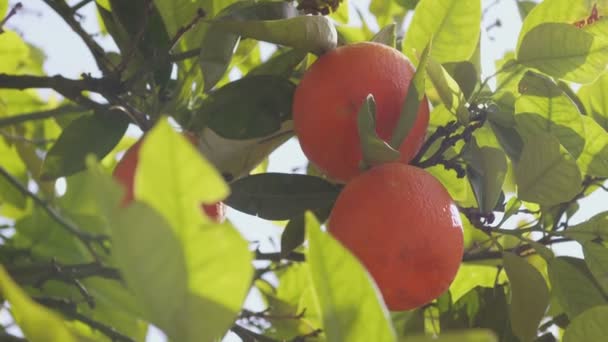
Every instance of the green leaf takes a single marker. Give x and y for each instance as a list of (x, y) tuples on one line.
[(447, 21), (37, 323), (465, 74), (218, 46), (468, 335), (375, 150), (12, 163), (236, 158), (310, 33), (281, 196), (281, 64), (543, 107), (486, 170), (252, 107), (529, 296), (448, 90), (347, 298), (387, 35), (3, 8), (546, 173), (573, 286), (92, 134), (594, 228), (596, 257), (555, 11), (588, 326), (564, 51), (293, 236), (173, 178), (525, 7), (386, 12), (593, 97), (415, 95), (594, 159)]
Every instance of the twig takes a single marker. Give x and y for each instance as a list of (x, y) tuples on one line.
[(86, 238), (293, 256), (67, 13), (70, 310), (250, 336), (10, 14), (40, 115), (184, 55), (200, 14), (40, 273), (80, 5)]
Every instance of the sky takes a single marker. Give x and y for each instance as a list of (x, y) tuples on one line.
[(68, 56)]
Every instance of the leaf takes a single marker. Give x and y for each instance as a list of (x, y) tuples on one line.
[(252, 107), (596, 257), (546, 174), (588, 326), (281, 196), (387, 35), (218, 46), (573, 286), (347, 298), (92, 134), (529, 296), (543, 107), (468, 335), (465, 74), (415, 95), (448, 90), (594, 228), (564, 51), (525, 7), (37, 323), (593, 97), (236, 158), (293, 236), (282, 64), (3, 8), (309, 33), (375, 150), (486, 171), (386, 12), (447, 21), (593, 161)]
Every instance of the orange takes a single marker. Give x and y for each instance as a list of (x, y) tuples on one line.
[(332, 90), (124, 172), (403, 226)]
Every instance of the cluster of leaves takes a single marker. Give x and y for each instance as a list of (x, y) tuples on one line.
[(77, 266)]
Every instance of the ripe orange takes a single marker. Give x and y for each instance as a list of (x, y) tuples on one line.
[(124, 172), (328, 98), (404, 227)]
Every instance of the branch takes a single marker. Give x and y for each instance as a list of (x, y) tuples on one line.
[(86, 238), (10, 14), (40, 115), (61, 84), (70, 310), (41, 273), (80, 5), (67, 13), (293, 256)]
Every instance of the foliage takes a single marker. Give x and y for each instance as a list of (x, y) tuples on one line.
[(529, 148)]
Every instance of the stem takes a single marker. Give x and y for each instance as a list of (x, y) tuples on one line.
[(185, 55), (86, 238), (80, 5), (10, 14), (200, 14), (293, 256), (40, 115)]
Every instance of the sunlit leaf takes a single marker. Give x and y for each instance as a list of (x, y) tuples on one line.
[(448, 90), (469, 335), (38, 323), (386, 12), (529, 296), (573, 286), (593, 161), (387, 35), (588, 326), (447, 21), (593, 97), (546, 173), (340, 281), (544, 108), (593, 228), (486, 170), (564, 51)]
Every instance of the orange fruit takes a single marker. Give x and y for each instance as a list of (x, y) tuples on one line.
[(332, 90), (124, 173), (403, 226)]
